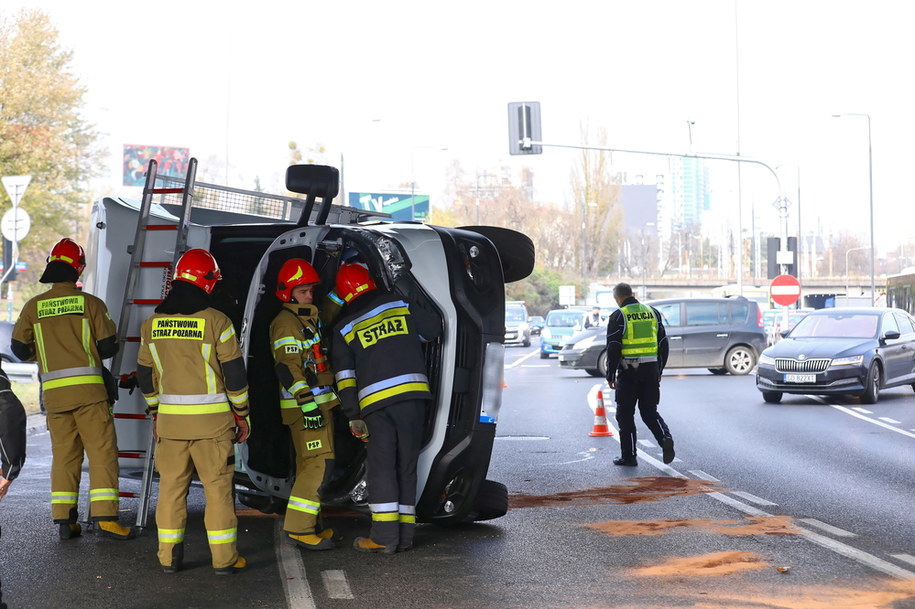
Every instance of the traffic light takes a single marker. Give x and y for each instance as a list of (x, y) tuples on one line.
[(524, 128), (8, 260), (772, 247)]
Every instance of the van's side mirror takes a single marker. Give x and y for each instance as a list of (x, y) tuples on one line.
[(891, 335)]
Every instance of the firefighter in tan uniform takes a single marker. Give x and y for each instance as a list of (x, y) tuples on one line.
[(306, 399), (69, 333), (192, 374)]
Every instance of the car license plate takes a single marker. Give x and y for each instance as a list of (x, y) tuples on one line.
[(800, 378)]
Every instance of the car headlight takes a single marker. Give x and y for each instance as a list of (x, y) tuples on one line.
[(766, 359), (586, 342), (854, 360)]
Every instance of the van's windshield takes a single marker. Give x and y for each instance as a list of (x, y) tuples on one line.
[(515, 314)]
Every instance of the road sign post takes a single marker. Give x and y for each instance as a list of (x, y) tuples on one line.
[(18, 221), (785, 290)]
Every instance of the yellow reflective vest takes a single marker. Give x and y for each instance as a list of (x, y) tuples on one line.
[(640, 332)]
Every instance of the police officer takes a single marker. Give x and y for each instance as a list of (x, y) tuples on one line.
[(69, 333), (381, 380), (637, 352), (593, 318), (306, 400), (12, 441), (192, 375)]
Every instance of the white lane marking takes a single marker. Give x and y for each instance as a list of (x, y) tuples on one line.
[(335, 583), (647, 443), (828, 527), (904, 558), (522, 359), (522, 437), (889, 420), (535, 366), (864, 418), (862, 410), (292, 572), (703, 476), (752, 498), (869, 560)]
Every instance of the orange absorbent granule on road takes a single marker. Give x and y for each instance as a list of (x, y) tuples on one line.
[(752, 525), (637, 490), (716, 563)]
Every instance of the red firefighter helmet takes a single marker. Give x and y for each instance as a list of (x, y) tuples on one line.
[(293, 273), (353, 281), (198, 267), (68, 251)]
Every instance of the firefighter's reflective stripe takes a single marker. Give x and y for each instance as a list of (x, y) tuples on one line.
[(87, 341), (407, 514), (324, 397), (65, 497), (222, 536), (405, 383), (67, 377), (285, 341), (171, 535), (208, 371), (229, 333), (335, 299), (385, 512), (345, 379), (640, 337), (155, 355), (303, 505), (151, 400), (39, 340), (239, 399), (207, 403), (103, 494)]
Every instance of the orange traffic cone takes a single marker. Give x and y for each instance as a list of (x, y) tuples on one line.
[(601, 429)]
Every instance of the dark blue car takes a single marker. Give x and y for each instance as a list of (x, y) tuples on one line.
[(841, 351)]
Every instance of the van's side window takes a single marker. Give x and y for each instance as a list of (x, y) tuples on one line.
[(705, 313), (739, 312), (671, 313)]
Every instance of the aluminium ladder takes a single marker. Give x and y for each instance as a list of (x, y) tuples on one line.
[(135, 310)]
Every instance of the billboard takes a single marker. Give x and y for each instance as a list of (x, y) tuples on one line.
[(402, 206), (172, 162)]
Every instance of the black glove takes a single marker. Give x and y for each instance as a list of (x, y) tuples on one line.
[(313, 418)]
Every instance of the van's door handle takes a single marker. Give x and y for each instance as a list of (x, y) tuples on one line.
[(674, 337), (721, 335)]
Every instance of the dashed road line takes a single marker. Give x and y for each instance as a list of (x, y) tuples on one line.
[(292, 572), (889, 420), (862, 410), (336, 585), (752, 498), (703, 475), (853, 412), (828, 527), (905, 558), (647, 443)]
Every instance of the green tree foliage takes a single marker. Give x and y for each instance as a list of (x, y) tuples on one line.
[(43, 134)]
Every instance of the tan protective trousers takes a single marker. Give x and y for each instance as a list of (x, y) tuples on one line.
[(176, 461), (314, 453), (88, 429)]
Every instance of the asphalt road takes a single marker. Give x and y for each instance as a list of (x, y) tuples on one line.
[(798, 505)]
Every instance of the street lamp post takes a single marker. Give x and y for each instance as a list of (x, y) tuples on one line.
[(847, 252), (870, 179)]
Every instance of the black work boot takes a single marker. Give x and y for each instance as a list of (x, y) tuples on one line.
[(69, 528), (177, 559), (667, 446), (629, 461)]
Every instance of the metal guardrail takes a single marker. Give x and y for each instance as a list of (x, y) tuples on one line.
[(25, 372)]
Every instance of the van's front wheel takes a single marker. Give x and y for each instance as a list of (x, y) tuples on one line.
[(491, 501), (740, 360)]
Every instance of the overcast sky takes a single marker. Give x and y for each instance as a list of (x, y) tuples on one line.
[(386, 85)]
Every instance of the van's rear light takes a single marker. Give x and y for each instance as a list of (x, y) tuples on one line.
[(759, 319)]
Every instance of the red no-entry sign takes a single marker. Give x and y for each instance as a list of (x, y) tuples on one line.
[(785, 290)]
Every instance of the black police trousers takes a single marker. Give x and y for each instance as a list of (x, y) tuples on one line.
[(638, 386)]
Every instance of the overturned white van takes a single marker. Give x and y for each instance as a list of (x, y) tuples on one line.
[(458, 273)]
